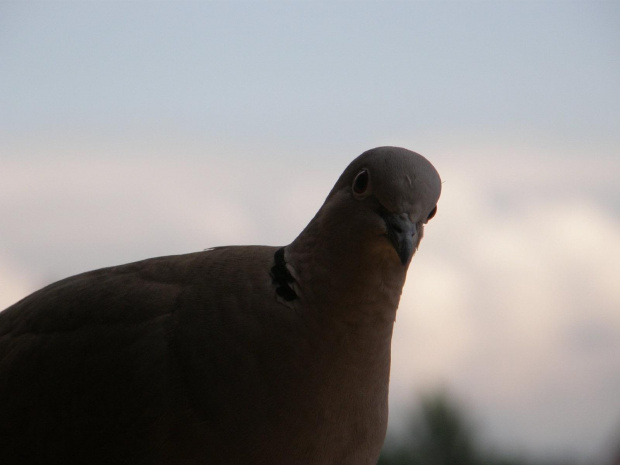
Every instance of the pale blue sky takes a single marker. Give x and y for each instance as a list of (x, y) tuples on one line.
[(315, 71), (136, 129)]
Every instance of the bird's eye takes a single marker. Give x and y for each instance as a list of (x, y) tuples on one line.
[(360, 183), (431, 214)]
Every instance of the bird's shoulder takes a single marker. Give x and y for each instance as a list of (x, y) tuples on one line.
[(140, 291)]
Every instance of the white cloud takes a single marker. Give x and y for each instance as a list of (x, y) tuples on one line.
[(517, 310), (14, 285)]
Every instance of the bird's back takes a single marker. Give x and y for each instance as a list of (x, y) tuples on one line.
[(93, 368)]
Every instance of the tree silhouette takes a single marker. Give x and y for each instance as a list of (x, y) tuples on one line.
[(440, 433)]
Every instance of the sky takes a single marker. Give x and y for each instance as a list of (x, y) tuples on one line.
[(138, 129)]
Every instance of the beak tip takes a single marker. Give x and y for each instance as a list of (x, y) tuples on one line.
[(400, 232), (405, 252)]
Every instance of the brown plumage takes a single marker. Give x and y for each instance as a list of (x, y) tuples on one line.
[(236, 355)]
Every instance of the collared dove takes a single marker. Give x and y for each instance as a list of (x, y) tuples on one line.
[(235, 355)]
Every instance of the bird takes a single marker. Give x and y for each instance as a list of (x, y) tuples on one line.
[(253, 355)]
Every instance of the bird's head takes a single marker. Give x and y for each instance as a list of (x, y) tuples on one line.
[(382, 201)]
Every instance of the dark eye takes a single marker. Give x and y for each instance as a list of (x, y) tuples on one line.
[(432, 213), (360, 184)]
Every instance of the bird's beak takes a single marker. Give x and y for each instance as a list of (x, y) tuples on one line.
[(400, 232)]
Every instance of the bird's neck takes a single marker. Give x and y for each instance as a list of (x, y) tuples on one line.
[(342, 279)]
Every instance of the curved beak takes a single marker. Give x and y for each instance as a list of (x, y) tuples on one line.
[(400, 232)]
